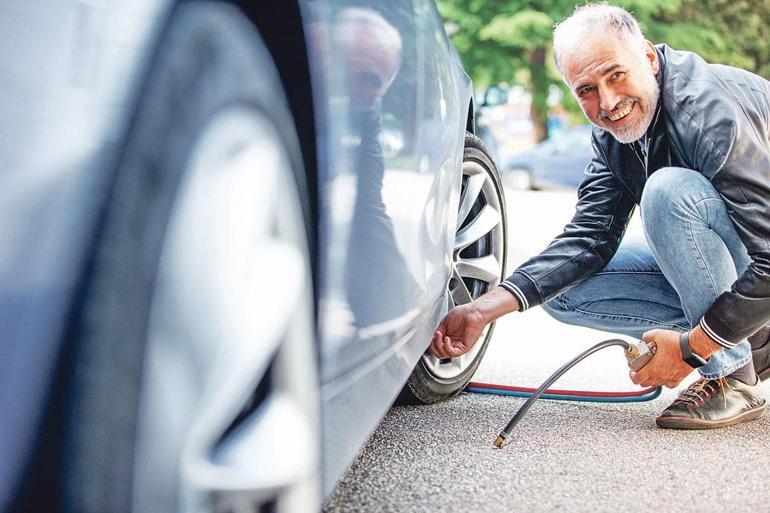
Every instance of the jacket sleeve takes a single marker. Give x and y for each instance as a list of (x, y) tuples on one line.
[(732, 149), (587, 243)]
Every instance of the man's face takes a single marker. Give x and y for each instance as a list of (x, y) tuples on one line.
[(371, 69), (614, 82)]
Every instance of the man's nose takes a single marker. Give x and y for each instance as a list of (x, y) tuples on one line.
[(607, 99)]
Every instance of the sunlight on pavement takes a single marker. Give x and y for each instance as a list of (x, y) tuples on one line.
[(528, 347)]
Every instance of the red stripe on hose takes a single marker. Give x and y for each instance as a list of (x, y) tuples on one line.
[(584, 393)]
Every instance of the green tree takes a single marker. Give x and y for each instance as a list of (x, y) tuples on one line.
[(510, 40), (733, 32)]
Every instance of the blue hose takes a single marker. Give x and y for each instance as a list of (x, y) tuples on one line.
[(563, 397)]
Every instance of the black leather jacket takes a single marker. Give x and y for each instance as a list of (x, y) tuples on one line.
[(715, 119)]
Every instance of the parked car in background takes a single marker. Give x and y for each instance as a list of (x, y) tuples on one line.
[(229, 230), (493, 96), (557, 162)]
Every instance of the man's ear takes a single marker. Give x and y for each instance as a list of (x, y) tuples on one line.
[(652, 56)]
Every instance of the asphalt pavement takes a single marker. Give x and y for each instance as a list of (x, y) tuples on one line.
[(563, 456)]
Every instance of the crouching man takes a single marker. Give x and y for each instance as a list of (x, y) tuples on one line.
[(687, 141)]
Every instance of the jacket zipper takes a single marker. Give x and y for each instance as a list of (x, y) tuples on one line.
[(635, 144)]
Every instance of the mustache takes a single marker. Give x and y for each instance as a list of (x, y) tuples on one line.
[(603, 114)]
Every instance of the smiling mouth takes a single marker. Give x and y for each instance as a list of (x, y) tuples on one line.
[(621, 113)]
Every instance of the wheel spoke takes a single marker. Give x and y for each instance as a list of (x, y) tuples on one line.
[(484, 223), (486, 268), (460, 362), (451, 302), (469, 197), (460, 293)]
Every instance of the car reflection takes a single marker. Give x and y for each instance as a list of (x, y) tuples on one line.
[(377, 285)]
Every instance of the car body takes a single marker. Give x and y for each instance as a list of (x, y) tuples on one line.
[(229, 232), (557, 162)]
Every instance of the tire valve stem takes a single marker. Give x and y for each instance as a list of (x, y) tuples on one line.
[(637, 356)]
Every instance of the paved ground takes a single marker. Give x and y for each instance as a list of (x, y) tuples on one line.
[(563, 456)]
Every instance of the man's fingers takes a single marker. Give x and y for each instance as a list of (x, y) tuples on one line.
[(646, 380), (642, 378), (449, 349), (672, 381), (453, 348), (443, 347), (435, 344), (440, 346), (639, 376), (649, 335)]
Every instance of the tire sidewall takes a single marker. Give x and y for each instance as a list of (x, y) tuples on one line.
[(208, 59)]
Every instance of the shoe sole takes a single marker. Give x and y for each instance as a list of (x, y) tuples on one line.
[(690, 423)]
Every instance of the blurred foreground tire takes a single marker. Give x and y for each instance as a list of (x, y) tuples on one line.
[(193, 385)]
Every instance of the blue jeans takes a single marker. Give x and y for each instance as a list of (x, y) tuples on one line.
[(691, 255)]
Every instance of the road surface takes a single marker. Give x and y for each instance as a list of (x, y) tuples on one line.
[(563, 456)]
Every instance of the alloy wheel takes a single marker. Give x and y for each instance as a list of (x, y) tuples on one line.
[(477, 256)]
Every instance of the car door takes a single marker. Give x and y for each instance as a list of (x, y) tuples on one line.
[(387, 164), (364, 59)]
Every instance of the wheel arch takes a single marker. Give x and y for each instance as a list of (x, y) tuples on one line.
[(470, 123), (279, 23)]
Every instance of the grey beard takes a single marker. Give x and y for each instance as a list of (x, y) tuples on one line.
[(635, 131)]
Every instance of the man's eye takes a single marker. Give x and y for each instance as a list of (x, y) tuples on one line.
[(617, 75), (585, 90)]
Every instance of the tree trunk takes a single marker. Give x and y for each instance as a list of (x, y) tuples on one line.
[(538, 109)]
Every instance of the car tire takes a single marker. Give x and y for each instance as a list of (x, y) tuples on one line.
[(478, 265), (165, 306)]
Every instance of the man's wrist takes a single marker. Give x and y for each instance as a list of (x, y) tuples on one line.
[(701, 344), (496, 303)]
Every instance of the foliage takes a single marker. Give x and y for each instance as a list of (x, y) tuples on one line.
[(733, 32)]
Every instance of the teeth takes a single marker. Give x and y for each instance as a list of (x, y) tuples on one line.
[(623, 113)]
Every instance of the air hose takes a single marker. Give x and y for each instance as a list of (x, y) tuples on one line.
[(586, 396), (637, 355)]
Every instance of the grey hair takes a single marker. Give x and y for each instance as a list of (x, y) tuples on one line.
[(594, 17), (371, 23)]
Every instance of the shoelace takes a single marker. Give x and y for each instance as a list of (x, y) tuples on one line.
[(703, 390)]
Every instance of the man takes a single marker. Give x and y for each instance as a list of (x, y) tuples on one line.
[(687, 141)]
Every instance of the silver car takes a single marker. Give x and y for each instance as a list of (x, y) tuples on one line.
[(228, 232)]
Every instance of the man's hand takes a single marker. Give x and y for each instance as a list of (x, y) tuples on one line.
[(461, 327), (457, 332), (666, 367)]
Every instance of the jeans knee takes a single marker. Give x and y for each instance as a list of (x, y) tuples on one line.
[(670, 192), (662, 188)]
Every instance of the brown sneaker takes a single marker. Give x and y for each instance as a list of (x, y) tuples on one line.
[(713, 403)]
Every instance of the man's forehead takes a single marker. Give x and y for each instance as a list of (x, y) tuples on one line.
[(596, 56)]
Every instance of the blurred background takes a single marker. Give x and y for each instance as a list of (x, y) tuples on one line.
[(526, 112)]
